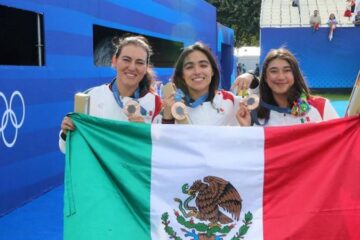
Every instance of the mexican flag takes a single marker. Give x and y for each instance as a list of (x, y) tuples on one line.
[(139, 181)]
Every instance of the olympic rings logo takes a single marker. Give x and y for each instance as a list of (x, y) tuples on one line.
[(9, 114)]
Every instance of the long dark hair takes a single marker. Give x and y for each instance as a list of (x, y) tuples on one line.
[(296, 89), (119, 43), (178, 74)]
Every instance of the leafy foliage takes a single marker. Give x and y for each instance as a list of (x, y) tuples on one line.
[(243, 16), (204, 229)]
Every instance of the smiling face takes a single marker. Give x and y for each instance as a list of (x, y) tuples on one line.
[(281, 81), (279, 77), (197, 73), (131, 66)]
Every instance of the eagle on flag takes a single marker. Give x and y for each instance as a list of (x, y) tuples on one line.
[(212, 195)]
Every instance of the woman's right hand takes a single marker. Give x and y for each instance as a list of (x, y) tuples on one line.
[(168, 101), (67, 125), (243, 115)]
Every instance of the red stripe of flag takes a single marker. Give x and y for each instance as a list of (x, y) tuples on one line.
[(312, 181)]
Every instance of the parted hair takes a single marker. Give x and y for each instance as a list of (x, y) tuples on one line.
[(178, 74), (120, 42), (296, 89)]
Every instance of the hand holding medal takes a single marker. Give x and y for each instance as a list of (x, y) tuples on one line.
[(178, 109), (173, 97), (252, 101), (247, 104)]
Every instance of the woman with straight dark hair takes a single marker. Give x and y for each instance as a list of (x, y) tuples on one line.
[(197, 76), (285, 96)]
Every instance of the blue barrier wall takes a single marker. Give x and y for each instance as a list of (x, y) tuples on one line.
[(325, 64), (43, 95), (225, 54)]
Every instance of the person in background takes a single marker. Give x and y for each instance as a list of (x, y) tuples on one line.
[(197, 76), (353, 5), (239, 69), (332, 22), (285, 99), (348, 12), (357, 19), (315, 20), (257, 70), (133, 81), (243, 67)]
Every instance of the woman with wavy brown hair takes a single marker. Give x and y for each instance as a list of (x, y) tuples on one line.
[(129, 96)]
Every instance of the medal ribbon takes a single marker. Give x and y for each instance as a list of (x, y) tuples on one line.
[(117, 97), (270, 107), (275, 108), (197, 102)]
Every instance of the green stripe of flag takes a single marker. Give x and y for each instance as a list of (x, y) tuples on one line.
[(114, 172)]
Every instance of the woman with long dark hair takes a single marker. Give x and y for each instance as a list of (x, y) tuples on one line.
[(285, 96), (197, 76)]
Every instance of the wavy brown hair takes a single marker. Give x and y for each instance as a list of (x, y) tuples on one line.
[(148, 80), (296, 89)]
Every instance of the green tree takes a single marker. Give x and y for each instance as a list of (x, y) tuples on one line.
[(243, 16)]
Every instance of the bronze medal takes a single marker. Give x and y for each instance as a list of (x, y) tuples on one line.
[(132, 107), (252, 101), (179, 110)]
